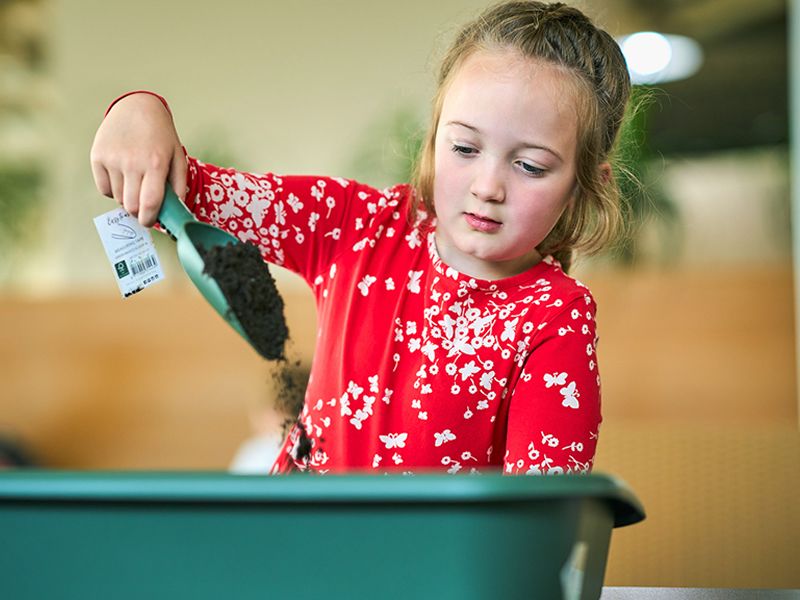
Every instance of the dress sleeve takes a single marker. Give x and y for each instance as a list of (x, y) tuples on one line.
[(554, 411), (299, 222)]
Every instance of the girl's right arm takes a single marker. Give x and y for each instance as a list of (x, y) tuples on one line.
[(135, 151), (302, 223)]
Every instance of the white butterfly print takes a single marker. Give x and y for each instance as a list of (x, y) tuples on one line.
[(354, 389), (413, 281), (294, 202), (344, 403), (509, 331), (280, 213), (480, 323), (487, 379), (229, 209), (555, 379), (257, 209), (394, 440), (460, 344), (468, 370), (429, 350), (447, 324), (571, 396), (341, 181), (444, 437), (364, 284)]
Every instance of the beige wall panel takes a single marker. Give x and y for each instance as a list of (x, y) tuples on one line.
[(721, 504)]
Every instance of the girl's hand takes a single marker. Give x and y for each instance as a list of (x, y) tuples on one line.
[(136, 150)]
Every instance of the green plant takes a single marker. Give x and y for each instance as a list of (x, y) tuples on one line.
[(638, 172), (20, 198), (388, 151)]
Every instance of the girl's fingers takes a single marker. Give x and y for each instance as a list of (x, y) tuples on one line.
[(101, 179), (151, 197), (130, 193), (177, 173), (117, 185)]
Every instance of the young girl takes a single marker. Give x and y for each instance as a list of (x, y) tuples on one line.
[(451, 338)]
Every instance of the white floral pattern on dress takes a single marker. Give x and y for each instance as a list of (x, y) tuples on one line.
[(417, 366)]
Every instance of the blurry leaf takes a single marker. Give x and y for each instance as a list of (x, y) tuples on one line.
[(638, 170), (388, 150), (20, 199)]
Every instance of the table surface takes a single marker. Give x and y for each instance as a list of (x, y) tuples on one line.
[(660, 593)]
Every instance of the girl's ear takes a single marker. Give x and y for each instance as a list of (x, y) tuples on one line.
[(605, 172)]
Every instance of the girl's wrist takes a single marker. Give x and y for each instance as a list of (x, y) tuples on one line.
[(125, 95)]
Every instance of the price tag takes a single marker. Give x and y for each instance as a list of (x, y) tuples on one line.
[(130, 249)]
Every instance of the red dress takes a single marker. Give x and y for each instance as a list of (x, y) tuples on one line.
[(418, 367)]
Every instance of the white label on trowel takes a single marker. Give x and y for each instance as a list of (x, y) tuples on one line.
[(130, 249)]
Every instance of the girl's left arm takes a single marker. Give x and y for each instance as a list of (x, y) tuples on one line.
[(554, 411)]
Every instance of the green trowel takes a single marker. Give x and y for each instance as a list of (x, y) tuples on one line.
[(190, 234)]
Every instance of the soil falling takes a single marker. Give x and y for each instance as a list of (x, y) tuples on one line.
[(290, 382), (248, 286)]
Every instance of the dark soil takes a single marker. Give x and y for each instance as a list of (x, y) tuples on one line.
[(250, 290), (290, 381), (303, 443), (244, 278)]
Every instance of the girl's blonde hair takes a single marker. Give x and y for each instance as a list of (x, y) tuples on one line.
[(562, 36)]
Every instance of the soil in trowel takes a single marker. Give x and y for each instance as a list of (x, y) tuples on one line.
[(248, 286)]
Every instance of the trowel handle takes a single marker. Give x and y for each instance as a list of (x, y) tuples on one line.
[(174, 214)]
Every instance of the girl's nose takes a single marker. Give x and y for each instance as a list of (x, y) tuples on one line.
[(488, 183)]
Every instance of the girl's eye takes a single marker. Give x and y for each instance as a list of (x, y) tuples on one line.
[(463, 150), (530, 169)]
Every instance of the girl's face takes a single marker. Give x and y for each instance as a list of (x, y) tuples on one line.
[(504, 162)]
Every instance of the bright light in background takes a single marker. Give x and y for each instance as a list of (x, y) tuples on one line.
[(647, 52), (658, 58)]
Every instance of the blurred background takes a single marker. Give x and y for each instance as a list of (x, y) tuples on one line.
[(696, 317)]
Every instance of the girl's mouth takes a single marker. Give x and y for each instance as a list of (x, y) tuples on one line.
[(482, 224)]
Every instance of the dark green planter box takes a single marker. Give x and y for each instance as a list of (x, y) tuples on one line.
[(84, 535)]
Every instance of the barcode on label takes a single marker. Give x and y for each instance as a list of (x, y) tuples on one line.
[(143, 264)]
